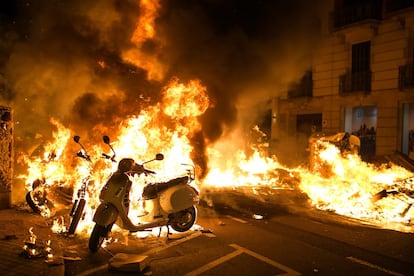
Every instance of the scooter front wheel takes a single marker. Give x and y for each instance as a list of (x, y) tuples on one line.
[(98, 235), (77, 214), (183, 220)]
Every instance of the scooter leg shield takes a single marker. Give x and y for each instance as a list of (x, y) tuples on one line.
[(105, 215)]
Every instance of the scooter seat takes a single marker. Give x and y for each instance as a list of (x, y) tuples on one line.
[(151, 190)]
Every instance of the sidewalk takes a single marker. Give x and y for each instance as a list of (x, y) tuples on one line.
[(14, 232)]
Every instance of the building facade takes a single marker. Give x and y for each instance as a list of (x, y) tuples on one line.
[(6, 156), (361, 80)]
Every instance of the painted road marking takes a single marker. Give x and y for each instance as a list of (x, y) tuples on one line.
[(237, 219), (239, 250), (171, 244), (356, 260), (148, 252)]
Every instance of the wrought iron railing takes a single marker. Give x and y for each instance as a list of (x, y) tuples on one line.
[(358, 12), (396, 5), (355, 82)]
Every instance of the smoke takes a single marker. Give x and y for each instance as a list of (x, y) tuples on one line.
[(65, 62), (66, 59), (244, 51)]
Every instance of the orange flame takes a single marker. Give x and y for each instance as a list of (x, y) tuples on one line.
[(145, 27), (337, 182), (140, 137), (145, 31)]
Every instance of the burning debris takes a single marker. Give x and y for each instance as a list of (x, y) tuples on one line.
[(125, 89), (36, 248), (338, 180)]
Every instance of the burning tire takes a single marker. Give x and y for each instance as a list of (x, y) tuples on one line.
[(76, 214), (98, 235), (183, 220), (38, 202), (30, 201)]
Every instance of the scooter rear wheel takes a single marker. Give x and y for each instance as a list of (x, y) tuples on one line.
[(80, 206), (98, 235), (183, 220)]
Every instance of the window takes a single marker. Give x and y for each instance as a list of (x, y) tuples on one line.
[(361, 57), (359, 79)]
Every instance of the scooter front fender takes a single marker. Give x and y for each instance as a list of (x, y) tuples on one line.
[(106, 214)]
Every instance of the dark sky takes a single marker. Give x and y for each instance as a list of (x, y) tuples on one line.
[(243, 51)]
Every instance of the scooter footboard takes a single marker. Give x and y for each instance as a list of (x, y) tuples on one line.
[(106, 214)]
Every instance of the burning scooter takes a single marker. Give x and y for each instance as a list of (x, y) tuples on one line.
[(170, 203), (45, 192)]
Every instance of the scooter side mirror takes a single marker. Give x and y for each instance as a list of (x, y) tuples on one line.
[(106, 139), (76, 138), (159, 156)]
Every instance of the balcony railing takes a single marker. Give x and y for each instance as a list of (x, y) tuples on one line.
[(396, 5), (355, 82), (359, 12), (303, 88), (406, 76)]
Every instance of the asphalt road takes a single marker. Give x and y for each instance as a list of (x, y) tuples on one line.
[(230, 241)]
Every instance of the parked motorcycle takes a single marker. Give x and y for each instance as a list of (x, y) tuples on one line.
[(170, 203), (76, 213)]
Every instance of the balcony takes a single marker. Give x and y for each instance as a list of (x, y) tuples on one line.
[(355, 82), (406, 76), (346, 15), (303, 88), (396, 5)]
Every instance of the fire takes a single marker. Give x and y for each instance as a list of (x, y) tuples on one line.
[(145, 32), (352, 188), (192, 96), (337, 182), (35, 248), (59, 225), (140, 137), (145, 27), (47, 167)]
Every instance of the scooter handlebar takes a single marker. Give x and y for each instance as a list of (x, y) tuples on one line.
[(137, 168), (149, 172), (107, 156), (83, 155)]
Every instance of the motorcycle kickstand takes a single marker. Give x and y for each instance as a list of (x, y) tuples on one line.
[(168, 231)]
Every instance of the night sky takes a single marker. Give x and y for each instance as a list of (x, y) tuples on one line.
[(244, 52)]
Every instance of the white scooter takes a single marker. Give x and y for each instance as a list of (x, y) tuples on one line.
[(170, 203)]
